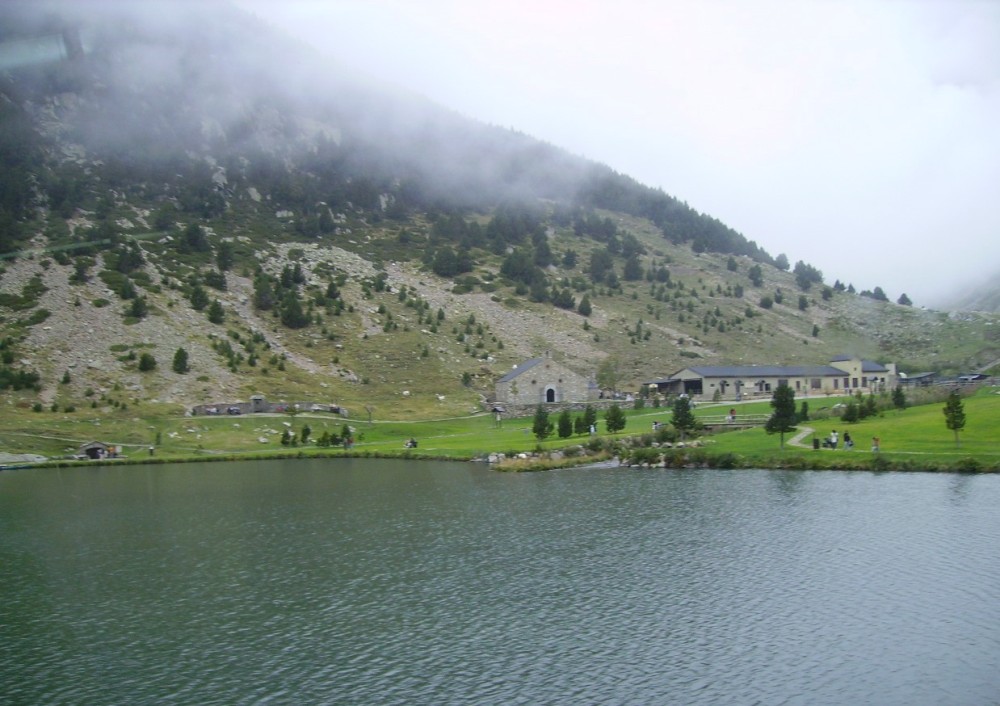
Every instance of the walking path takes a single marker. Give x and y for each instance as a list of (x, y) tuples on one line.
[(803, 433)]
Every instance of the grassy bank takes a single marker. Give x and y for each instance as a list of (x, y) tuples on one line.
[(914, 438)]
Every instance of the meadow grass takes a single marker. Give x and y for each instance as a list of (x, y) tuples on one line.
[(914, 438)]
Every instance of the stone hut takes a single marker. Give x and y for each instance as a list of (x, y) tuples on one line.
[(96, 450), (541, 381)]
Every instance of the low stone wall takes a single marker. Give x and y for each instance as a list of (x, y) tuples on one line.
[(555, 408), (265, 407)]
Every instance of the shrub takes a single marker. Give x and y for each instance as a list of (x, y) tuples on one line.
[(595, 444), (726, 461), (37, 317), (969, 465), (645, 456)]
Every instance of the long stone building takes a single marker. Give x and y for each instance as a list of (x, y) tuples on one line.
[(843, 375)]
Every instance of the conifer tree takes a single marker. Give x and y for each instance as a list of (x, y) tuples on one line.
[(682, 418), (899, 398), (180, 364), (782, 420), (565, 425), (216, 314), (541, 427), (614, 419), (954, 414)]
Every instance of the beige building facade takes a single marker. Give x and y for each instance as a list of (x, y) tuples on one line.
[(843, 375)]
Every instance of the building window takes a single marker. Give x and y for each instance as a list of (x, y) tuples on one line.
[(815, 383)]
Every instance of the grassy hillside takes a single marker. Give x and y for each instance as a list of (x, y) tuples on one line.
[(308, 239), (407, 342)]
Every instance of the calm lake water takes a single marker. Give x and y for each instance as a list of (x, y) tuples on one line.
[(386, 582)]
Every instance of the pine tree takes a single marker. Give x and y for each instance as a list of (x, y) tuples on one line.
[(565, 425), (292, 314), (899, 398), (199, 297), (682, 418), (782, 420), (541, 426), (216, 314), (263, 292), (225, 257), (138, 308), (614, 419), (180, 364), (871, 409), (954, 414)]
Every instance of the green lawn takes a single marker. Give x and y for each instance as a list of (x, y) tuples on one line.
[(912, 438)]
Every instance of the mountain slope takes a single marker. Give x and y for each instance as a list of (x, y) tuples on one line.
[(175, 187), (983, 296)]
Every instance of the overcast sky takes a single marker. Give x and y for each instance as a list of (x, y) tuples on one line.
[(861, 137)]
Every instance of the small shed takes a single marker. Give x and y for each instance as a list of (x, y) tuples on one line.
[(97, 450)]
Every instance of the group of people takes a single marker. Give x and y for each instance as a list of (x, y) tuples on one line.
[(831, 441)]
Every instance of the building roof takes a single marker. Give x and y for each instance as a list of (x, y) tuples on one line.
[(774, 371), (522, 368), (95, 445), (867, 366), (759, 371)]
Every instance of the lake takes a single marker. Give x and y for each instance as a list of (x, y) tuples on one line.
[(392, 582)]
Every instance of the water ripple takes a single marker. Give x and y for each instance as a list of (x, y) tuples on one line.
[(400, 584)]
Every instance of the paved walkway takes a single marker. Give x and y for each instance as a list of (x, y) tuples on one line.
[(803, 433)]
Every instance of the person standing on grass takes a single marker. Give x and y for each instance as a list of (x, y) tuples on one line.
[(876, 444)]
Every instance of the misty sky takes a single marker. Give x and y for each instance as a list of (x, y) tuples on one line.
[(861, 137)]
